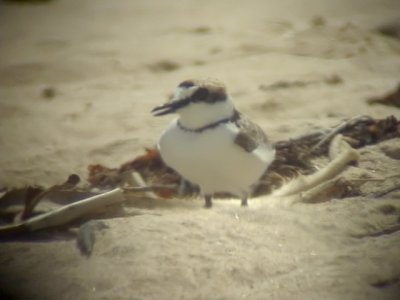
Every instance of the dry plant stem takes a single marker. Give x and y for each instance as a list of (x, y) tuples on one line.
[(386, 191), (66, 213), (336, 131), (28, 209), (71, 182), (315, 195), (181, 187), (139, 181), (304, 183), (151, 188)]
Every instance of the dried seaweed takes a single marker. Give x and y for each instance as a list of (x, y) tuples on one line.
[(149, 165), (293, 157), (150, 177)]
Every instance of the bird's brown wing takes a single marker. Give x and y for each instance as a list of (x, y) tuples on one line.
[(250, 135)]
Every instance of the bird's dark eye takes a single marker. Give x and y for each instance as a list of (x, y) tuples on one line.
[(200, 94), (186, 84)]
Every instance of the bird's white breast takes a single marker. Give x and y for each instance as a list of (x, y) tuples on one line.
[(212, 160)]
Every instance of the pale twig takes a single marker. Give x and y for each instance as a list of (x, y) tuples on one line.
[(138, 181), (66, 214), (387, 191), (181, 187), (304, 183), (322, 192), (337, 130), (141, 189)]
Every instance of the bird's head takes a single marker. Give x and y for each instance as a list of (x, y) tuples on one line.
[(198, 103)]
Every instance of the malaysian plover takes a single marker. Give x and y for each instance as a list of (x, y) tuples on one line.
[(211, 144)]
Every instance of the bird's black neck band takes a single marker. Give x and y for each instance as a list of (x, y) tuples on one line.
[(235, 116)]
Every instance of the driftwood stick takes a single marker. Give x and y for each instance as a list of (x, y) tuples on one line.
[(322, 192), (79, 209), (303, 183), (66, 214)]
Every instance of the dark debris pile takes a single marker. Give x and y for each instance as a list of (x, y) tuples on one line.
[(293, 157)]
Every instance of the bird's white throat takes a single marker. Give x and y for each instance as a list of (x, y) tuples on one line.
[(199, 114)]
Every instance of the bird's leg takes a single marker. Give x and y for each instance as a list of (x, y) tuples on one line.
[(208, 201), (244, 199)]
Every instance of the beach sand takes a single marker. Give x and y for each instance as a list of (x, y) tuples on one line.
[(77, 82)]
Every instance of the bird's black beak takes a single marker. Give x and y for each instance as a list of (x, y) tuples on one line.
[(169, 108)]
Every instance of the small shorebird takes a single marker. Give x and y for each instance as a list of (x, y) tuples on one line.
[(212, 144)]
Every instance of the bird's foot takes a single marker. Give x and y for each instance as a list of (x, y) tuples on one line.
[(208, 201)]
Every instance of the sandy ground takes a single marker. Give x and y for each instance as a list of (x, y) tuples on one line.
[(108, 63)]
